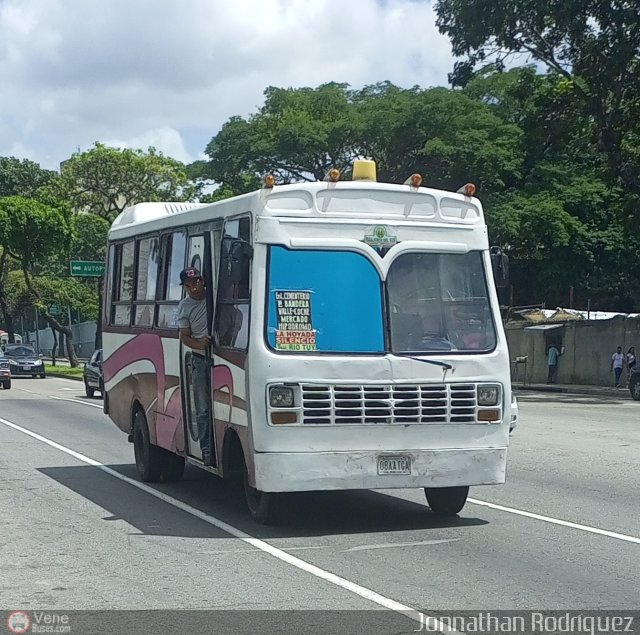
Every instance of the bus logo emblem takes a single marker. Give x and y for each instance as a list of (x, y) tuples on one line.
[(380, 237)]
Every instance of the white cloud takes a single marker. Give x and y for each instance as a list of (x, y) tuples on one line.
[(169, 74)]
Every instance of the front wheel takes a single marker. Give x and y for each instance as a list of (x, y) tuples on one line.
[(88, 390), (264, 507), (6, 384), (634, 386), (446, 501)]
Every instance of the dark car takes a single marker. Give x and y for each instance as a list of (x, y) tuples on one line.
[(92, 375), (5, 372), (24, 361)]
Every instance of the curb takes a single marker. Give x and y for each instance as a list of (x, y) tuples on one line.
[(603, 392)]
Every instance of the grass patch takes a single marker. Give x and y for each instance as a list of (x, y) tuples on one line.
[(64, 371)]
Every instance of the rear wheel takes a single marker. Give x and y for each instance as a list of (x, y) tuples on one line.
[(88, 390), (264, 507), (150, 459), (6, 384), (634, 386), (446, 501)]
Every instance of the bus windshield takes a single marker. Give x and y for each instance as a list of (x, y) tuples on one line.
[(334, 302), (439, 302)]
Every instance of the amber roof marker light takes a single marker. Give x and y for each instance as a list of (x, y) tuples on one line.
[(269, 181), (333, 175), (364, 170), (415, 180), (468, 190)]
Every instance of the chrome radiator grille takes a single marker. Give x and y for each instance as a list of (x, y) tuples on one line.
[(394, 404)]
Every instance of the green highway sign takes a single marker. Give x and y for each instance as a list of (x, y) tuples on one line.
[(86, 268), (55, 309)]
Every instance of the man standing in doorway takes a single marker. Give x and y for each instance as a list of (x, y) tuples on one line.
[(552, 362), (192, 322), (617, 364)]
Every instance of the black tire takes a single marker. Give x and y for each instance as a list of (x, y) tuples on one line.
[(173, 467), (42, 375), (34, 376), (446, 501), (102, 387), (6, 384), (150, 459), (264, 507), (88, 390), (634, 386)]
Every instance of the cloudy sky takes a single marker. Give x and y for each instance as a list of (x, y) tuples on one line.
[(135, 73)]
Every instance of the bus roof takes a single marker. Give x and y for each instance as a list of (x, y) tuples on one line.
[(346, 199)]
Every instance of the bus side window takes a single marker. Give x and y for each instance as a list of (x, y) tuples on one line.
[(232, 310), (174, 248), (123, 287)]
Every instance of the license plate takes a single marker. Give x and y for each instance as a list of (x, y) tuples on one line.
[(394, 465), (26, 368)]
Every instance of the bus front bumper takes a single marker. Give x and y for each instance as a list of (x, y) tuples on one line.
[(309, 471)]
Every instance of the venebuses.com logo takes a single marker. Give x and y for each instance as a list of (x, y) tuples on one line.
[(18, 622)]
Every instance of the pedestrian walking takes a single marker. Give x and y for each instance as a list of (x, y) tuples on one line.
[(617, 364), (552, 362)]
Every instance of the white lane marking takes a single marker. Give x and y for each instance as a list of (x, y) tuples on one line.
[(426, 621), (392, 545), (84, 403), (219, 551), (557, 521)]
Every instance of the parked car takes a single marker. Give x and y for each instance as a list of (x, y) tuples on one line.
[(93, 376), (5, 372), (24, 361)]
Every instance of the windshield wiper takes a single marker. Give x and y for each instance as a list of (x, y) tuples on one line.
[(435, 362)]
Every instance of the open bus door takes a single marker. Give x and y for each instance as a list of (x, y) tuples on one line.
[(202, 254)]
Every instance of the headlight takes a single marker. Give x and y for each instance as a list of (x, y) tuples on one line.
[(488, 395), (281, 397), (13, 362), (38, 362)]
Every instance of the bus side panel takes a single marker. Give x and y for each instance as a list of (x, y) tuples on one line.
[(144, 369), (230, 403)]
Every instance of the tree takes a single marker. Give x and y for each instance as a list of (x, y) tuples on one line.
[(443, 134), (17, 178), (22, 177), (104, 181), (299, 134), (593, 45), (31, 233)]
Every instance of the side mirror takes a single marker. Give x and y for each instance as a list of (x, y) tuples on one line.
[(500, 266)]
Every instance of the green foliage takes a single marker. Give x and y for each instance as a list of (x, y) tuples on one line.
[(31, 231), (64, 371), (104, 181), (299, 134), (22, 177), (593, 46)]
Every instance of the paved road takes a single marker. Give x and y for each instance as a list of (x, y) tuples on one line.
[(563, 532)]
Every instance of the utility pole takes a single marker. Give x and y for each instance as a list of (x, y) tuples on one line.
[(35, 311)]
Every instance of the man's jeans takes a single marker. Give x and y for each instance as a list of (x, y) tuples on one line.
[(201, 377)]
